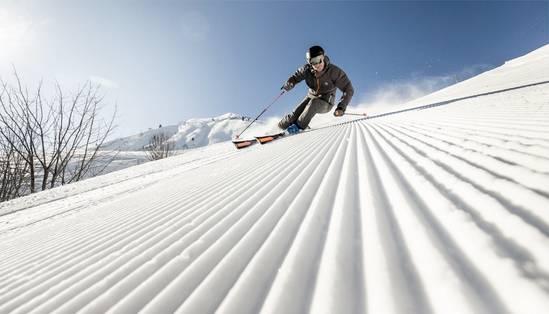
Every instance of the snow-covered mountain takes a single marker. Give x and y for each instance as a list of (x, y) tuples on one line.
[(443, 209), (191, 133)]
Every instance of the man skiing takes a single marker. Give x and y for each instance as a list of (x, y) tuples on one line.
[(322, 78)]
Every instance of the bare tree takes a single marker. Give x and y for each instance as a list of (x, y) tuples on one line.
[(13, 172), (159, 147), (15, 129), (59, 138)]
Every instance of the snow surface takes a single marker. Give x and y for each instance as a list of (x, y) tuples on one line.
[(439, 210)]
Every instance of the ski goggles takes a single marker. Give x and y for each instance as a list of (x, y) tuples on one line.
[(316, 60)]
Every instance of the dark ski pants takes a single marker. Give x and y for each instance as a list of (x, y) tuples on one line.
[(304, 112)]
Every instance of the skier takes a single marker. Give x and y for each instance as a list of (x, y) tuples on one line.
[(322, 78)]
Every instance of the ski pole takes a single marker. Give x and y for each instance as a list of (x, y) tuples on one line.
[(262, 112), (356, 114)]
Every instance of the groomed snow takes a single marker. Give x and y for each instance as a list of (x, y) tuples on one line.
[(440, 210)]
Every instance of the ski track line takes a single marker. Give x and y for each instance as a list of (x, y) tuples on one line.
[(490, 184), (508, 243), (484, 120), (502, 198), (474, 140), (79, 235), (437, 258), (207, 296), (88, 261), (505, 244), (70, 236), (498, 112), (95, 205), (523, 123), (139, 241), (148, 180), (519, 174), (505, 105), (103, 185), (139, 301), (405, 283), (217, 242), (291, 293), (380, 293), (517, 116), (535, 273), (526, 125), (251, 288), (339, 286), (159, 260), (486, 132), (532, 134), (500, 130), (491, 149), (495, 114), (158, 276), (494, 166)]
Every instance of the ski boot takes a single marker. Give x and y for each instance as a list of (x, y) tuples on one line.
[(293, 129)]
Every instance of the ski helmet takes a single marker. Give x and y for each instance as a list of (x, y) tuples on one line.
[(314, 51)]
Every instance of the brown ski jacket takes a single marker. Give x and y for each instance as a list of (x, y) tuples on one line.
[(323, 85)]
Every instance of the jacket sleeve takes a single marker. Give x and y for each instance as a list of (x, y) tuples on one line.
[(344, 84), (298, 76)]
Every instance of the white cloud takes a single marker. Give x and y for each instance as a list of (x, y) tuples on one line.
[(20, 34), (195, 26), (400, 92), (104, 82), (15, 33)]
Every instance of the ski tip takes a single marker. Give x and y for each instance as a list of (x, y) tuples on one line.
[(243, 143), (238, 143), (268, 138)]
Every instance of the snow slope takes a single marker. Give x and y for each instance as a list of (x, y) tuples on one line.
[(440, 210)]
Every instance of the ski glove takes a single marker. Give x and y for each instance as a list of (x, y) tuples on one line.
[(339, 112), (287, 86)]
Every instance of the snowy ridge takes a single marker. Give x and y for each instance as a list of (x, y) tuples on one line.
[(440, 210), (191, 133)]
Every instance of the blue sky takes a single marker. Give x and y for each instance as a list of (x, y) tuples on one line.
[(167, 61)]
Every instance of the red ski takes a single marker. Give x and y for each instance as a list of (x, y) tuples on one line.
[(238, 143), (243, 143), (269, 138)]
